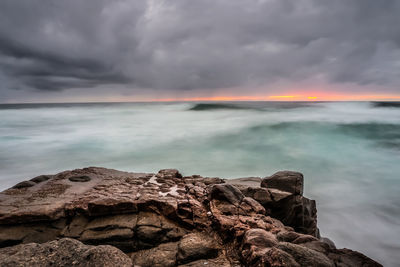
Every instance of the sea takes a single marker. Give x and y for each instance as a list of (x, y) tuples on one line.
[(349, 152)]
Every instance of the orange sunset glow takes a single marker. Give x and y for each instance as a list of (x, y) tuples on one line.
[(298, 97)]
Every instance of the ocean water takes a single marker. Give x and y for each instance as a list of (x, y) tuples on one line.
[(349, 152)]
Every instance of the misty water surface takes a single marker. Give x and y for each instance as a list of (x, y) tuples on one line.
[(349, 152)]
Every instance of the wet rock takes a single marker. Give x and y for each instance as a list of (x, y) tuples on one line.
[(277, 195), (298, 212), (287, 181), (63, 252)]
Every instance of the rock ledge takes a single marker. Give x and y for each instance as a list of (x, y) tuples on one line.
[(102, 217)]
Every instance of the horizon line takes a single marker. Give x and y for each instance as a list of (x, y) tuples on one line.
[(288, 97), (187, 101)]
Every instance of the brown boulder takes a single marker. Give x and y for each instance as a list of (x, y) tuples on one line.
[(259, 238), (196, 246), (305, 256)]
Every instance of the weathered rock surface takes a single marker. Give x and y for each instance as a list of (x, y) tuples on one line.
[(63, 252), (163, 219)]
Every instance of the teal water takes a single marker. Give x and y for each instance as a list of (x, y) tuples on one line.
[(349, 152)]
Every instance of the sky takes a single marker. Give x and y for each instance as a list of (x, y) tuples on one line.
[(79, 51)]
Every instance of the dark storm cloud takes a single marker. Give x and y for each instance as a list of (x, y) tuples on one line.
[(180, 44)]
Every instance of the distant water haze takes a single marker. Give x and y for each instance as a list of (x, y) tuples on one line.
[(349, 152)]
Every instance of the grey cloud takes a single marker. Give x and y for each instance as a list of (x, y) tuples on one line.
[(208, 44)]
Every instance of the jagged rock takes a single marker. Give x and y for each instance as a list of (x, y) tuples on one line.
[(63, 252), (285, 189), (165, 219)]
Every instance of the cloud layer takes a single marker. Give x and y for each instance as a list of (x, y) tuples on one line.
[(182, 45)]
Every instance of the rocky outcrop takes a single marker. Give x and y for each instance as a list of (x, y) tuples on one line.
[(164, 219), (289, 205)]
